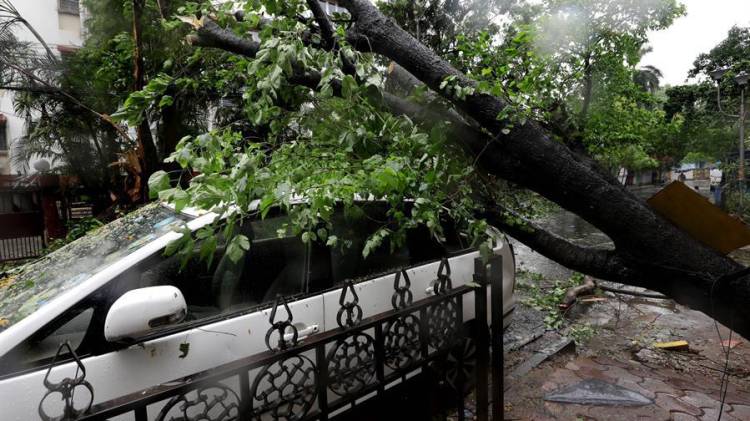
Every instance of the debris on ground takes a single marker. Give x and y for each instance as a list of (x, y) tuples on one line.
[(618, 349), (598, 392), (572, 294), (730, 343), (539, 357), (592, 299), (673, 345)]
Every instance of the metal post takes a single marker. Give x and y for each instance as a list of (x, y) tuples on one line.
[(496, 280), (322, 363), (246, 403), (741, 168), (459, 346), (483, 340)]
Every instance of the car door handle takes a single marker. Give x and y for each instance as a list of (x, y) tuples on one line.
[(303, 331)]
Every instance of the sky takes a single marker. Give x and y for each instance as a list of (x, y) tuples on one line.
[(705, 25)]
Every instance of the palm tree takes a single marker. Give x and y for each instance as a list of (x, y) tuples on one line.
[(647, 77)]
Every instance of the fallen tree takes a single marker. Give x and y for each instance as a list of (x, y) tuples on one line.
[(649, 251)]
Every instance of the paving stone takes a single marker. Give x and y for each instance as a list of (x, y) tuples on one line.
[(656, 385), (712, 414), (689, 384), (650, 372), (570, 412), (611, 362), (549, 386), (650, 412), (540, 417), (737, 396), (591, 364), (635, 387), (564, 377), (701, 400), (672, 404), (741, 412), (572, 366), (586, 372), (618, 374), (681, 416)]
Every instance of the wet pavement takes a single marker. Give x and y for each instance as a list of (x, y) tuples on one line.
[(618, 352)]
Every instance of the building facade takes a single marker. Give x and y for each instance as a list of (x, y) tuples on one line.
[(60, 23)]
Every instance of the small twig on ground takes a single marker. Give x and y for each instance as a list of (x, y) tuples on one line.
[(634, 293), (570, 296)]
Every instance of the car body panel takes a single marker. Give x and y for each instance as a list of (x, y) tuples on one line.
[(228, 338)]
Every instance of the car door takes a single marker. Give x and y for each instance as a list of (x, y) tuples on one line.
[(422, 257), (229, 305)]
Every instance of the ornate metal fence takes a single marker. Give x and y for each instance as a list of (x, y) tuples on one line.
[(318, 377)]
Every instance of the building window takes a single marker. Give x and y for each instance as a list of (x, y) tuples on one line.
[(68, 6)]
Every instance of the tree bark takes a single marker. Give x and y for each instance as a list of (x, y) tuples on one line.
[(145, 141)]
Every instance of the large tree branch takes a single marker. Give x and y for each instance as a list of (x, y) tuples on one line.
[(673, 262), (597, 262), (650, 251), (209, 34)]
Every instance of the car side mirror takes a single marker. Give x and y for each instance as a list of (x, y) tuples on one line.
[(140, 311)]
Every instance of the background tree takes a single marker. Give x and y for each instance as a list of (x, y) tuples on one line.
[(91, 145)]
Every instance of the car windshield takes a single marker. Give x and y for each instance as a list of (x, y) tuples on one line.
[(26, 289)]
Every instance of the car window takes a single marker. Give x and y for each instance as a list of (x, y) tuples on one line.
[(73, 331), (74, 326), (27, 289), (273, 265)]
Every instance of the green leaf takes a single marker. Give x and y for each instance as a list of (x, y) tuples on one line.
[(208, 248), (180, 198), (166, 101), (348, 86), (237, 248), (157, 182)]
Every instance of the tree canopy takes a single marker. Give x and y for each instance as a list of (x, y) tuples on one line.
[(440, 117)]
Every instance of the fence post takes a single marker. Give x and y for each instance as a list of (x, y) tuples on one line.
[(483, 345), (496, 281)]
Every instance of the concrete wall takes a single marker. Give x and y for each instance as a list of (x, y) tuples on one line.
[(57, 29)]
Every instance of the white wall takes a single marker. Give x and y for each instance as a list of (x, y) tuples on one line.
[(57, 29)]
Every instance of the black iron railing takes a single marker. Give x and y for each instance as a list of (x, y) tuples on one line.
[(311, 379)]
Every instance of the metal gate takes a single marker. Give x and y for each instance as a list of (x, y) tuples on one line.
[(323, 375), (21, 235)]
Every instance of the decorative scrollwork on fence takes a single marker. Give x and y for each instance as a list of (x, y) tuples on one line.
[(210, 403), (402, 295), (285, 390), (351, 309), (401, 343), (443, 283), (67, 388), (281, 327), (443, 327), (351, 364)]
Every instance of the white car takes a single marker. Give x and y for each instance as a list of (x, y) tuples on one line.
[(136, 320)]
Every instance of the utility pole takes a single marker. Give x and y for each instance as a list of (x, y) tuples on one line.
[(741, 167), (740, 79)]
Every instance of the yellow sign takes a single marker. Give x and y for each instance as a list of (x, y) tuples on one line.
[(695, 215)]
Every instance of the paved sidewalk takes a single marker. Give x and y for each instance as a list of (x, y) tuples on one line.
[(681, 385)]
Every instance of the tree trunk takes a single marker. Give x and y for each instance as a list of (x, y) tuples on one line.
[(588, 87), (145, 142), (650, 251)]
